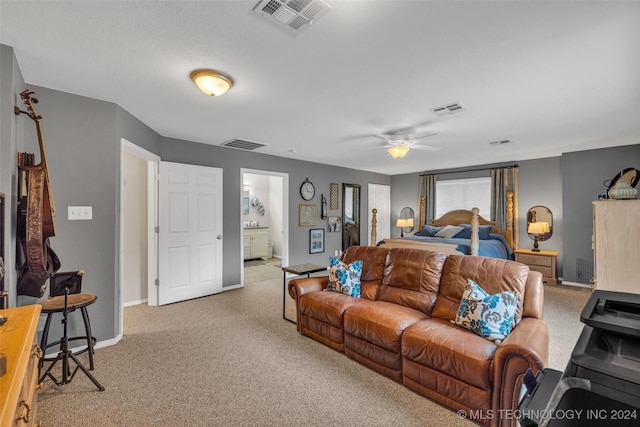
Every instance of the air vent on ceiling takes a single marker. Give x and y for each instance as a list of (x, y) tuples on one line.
[(502, 141), (448, 109), (294, 15), (242, 144)]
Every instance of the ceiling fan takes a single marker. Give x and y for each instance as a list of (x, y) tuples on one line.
[(399, 144)]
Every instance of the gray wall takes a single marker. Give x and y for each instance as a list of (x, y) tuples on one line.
[(231, 161)]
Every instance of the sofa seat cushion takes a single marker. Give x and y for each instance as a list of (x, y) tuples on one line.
[(445, 347), (327, 307), (380, 323)]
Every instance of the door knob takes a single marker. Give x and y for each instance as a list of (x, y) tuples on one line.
[(219, 237)]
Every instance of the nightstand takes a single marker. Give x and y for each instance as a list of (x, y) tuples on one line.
[(542, 261)]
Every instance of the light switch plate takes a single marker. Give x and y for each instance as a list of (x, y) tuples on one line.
[(75, 213)]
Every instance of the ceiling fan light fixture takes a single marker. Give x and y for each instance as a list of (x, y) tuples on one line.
[(211, 82), (398, 151)]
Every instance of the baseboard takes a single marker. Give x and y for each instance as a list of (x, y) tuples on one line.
[(135, 302), (577, 285)]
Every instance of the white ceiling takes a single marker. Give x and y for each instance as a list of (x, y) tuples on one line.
[(552, 77)]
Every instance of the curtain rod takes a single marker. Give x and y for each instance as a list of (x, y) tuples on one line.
[(470, 170)]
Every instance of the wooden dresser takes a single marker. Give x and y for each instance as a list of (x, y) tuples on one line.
[(616, 245), (19, 385)]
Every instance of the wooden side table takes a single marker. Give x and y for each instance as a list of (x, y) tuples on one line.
[(542, 261), (298, 270)]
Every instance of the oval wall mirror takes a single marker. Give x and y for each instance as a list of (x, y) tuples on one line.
[(539, 224), (406, 222)]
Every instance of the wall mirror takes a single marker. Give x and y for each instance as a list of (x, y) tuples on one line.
[(406, 221), (350, 215), (539, 224)]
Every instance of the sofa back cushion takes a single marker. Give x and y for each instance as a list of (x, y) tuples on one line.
[(492, 274), (411, 278), (373, 259)]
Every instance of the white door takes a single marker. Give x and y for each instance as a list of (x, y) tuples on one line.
[(190, 261), (379, 198)]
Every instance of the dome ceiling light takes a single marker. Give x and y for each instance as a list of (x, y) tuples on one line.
[(211, 82)]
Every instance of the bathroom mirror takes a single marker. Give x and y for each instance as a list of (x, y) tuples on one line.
[(350, 215), (539, 224)]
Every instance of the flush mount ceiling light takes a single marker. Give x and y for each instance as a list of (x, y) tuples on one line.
[(398, 151), (211, 82)]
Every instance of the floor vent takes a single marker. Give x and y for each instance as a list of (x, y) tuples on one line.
[(448, 109), (584, 270), (242, 144), (294, 15), (502, 141)]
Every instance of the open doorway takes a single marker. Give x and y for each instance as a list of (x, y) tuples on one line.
[(138, 221), (264, 222)]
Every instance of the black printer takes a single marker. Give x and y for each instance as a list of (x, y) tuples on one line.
[(601, 384)]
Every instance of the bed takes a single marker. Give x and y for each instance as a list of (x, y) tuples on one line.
[(478, 236)]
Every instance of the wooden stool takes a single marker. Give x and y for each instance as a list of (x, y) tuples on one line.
[(56, 305)]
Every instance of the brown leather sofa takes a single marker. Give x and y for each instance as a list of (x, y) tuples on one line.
[(401, 326)]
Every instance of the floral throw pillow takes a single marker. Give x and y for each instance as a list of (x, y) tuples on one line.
[(344, 278), (490, 316)]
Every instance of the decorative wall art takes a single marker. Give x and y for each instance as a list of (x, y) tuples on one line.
[(334, 224), (245, 205), (333, 196), (257, 204), (307, 215), (316, 241)]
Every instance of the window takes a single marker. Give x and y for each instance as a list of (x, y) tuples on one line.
[(464, 194)]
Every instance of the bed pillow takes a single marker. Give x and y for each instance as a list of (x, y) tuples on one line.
[(428, 231), (448, 231), (344, 278), (483, 232), (490, 316)]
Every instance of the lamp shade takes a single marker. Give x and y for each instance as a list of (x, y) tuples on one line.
[(398, 151), (211, 82), (538, 228), (402, 222)]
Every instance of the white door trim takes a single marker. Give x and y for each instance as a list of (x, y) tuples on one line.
[(152, 214), (285, 215)]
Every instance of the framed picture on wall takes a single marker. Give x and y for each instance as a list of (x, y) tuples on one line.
[(307, 215), (316, 240), (245, 205), (334, 224)]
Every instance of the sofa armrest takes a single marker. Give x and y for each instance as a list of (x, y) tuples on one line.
[(527, 346), (301, 286)]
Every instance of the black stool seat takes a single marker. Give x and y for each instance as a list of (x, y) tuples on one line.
[(56, 305)]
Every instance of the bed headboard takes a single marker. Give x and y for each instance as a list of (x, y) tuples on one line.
[(463, 216)]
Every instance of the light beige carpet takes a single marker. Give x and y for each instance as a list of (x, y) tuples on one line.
[(231, 360)]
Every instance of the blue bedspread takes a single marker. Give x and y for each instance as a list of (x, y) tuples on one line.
[(496, 246)]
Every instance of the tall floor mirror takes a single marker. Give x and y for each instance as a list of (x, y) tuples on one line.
[(350, 215)]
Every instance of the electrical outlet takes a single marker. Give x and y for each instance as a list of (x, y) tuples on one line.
[(75, 213)]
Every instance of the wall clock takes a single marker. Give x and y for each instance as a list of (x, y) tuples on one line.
[(307, 190)]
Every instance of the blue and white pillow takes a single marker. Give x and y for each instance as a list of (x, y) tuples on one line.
[(344, 278), (490, 316)]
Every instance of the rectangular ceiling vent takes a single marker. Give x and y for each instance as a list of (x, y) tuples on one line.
[(242, 144), (294, 15), (443, 110)]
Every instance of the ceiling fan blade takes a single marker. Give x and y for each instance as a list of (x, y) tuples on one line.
[(421, 135), (425, 147)]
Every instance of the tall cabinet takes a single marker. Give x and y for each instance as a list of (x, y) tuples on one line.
[(616, 245)]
